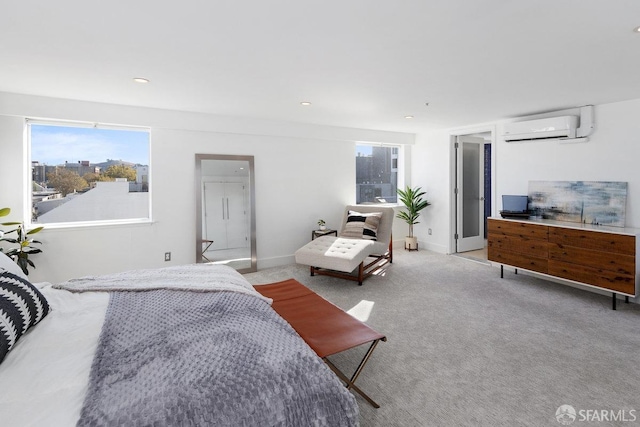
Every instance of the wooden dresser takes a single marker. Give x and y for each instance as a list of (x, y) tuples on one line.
[(596, 256)]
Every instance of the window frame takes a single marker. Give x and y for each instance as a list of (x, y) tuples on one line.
[(28, 178)]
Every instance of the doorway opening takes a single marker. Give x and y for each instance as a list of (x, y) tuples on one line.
[(472, 200)]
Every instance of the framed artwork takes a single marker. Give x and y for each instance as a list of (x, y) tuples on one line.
[(587, 202)]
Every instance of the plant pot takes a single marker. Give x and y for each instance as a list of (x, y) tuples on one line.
[(411, 243), (323, 227)]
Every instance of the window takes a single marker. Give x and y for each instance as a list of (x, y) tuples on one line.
[(376, 173), (88, 174)]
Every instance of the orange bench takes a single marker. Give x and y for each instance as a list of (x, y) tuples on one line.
[(326, 328)]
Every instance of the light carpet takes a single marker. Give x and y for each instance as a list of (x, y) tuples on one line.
[(466, 348)]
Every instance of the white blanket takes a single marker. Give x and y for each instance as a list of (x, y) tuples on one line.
[(194, 277)]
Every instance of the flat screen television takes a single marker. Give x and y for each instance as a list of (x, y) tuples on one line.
[(515, 205)]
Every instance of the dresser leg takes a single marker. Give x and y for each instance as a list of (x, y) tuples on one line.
[(501, 271), (516, 271), (626, 299), (613, 301)]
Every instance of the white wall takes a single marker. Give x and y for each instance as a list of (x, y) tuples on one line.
[(430, 170), (611, 154), (303, 173)]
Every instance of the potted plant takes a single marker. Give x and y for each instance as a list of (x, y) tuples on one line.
[(412, 200), (322, 224), (24, 241)]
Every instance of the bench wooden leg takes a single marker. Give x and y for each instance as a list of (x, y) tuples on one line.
[(350, 381)]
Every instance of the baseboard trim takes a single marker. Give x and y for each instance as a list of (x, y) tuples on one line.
[(276, 261)]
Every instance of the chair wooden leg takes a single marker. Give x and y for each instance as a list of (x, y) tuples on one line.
[(363, 270)]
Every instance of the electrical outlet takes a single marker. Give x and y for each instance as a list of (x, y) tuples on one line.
[(167, 256), (429, 232)]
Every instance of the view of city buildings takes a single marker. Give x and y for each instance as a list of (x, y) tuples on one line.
[(101, 200), (376, 174)]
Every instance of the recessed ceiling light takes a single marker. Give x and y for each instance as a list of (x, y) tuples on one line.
[(636, 30), (140, 80), (305, 103), (408, 117)]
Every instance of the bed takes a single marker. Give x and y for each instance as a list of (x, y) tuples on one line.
[(185, 345)]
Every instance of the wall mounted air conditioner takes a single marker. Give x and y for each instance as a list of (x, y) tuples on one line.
[(556, 128)]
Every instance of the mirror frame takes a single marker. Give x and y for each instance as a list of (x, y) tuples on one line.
[(198, 186)]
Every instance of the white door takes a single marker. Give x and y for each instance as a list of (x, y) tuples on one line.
[(236, 216), (225, 212), (213, 206), (469, 193)]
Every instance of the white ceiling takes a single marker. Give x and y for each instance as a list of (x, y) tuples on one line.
[(362, 63)]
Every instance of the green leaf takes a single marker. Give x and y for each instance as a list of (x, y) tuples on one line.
[(35, 230), (412, 199), (19, 254), (23, 264)]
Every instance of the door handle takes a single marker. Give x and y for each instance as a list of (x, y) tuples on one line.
[(222, 200), (227, 208)]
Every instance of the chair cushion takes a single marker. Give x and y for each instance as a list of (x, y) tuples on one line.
[(335, 253), (362, 225)]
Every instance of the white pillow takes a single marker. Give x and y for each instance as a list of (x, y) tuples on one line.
[(9, 265)]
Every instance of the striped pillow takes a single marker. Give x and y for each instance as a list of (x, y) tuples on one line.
[(362, 225), (21, 307)]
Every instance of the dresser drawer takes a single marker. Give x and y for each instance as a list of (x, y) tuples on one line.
[(618, 263), (593, 276), (526, 262), (519, 229), (596, 240), (521, 245)]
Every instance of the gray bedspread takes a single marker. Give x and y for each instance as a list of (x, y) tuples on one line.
[(182, 358)]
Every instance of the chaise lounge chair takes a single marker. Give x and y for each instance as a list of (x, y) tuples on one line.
[(362, 247)]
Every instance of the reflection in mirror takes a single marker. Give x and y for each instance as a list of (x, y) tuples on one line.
[(225, 226)]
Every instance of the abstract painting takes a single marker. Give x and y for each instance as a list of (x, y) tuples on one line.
[(586, 202)]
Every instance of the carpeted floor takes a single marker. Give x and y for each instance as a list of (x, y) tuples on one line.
[(466, 348)]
